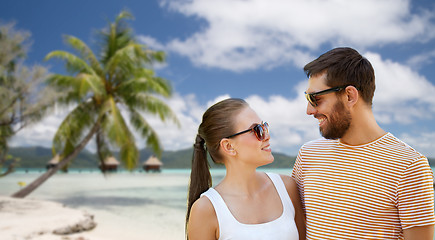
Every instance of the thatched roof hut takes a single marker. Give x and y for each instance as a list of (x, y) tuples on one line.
[(110, 164), (53, 162), (152, 164)]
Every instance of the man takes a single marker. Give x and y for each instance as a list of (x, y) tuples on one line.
[(358, 182)]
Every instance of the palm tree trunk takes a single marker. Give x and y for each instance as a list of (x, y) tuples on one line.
[(40, 180)]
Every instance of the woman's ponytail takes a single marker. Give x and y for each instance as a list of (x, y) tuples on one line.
[(200, 177)]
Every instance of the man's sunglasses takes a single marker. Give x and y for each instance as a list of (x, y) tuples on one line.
[(260, 131), (311, 97)]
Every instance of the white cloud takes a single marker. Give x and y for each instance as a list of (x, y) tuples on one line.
[(244, 35), (41, 133), (151, 43), (402, 95), (421, 60)]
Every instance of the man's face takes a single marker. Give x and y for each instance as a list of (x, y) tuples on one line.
[(334, 118), (338, 122)]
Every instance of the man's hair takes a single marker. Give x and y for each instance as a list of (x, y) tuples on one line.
[(345, 66)]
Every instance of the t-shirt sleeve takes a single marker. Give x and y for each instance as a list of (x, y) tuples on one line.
[(298, 176), (415, 195)]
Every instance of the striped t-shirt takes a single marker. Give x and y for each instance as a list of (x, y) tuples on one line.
[(369, 191)]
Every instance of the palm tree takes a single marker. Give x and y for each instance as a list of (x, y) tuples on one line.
[(121, 83)]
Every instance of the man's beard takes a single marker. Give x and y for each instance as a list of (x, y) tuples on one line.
[(338, 122)]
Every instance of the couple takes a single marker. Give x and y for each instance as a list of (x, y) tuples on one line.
[(358, 182)]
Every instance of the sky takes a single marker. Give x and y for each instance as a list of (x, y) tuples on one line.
[(254, 50)]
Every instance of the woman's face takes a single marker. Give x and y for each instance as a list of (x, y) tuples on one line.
[(248, 148)]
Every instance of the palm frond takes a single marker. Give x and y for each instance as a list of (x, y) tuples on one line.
[(117, 36), (93, 82), (145, 131), (85, 52), (123, 15), (160, 86), (129, 155), (118, 133), (74, 64), (122, 62), (116, 124), (153, 105), (158, 56), (72, 127), (144, 81), (77, 87)]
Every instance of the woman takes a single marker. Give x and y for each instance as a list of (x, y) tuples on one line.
[(246, 204)]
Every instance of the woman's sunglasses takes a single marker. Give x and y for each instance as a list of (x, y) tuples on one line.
[(311, 97), (260, 131)]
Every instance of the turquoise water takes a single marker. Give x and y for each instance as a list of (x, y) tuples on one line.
[(91, 189)]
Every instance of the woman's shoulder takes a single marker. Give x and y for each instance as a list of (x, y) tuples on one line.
[(203, 206), (289, 183), (288, 180), (203, 220)]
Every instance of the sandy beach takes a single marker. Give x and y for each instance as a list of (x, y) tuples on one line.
[(123, 205), (37, 219), (45, 220)]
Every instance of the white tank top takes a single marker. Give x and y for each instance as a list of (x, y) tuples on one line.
[(282, 228)]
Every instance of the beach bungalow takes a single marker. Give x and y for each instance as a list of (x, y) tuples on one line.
[(152, 164), (53, 162), (110, 165)]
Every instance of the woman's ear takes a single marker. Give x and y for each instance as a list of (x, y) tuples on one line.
[(227, 147), (352, 95)]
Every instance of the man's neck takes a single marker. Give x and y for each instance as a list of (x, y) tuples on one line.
[(363, 129)]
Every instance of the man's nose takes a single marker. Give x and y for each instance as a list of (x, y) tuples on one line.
[(311, 109)]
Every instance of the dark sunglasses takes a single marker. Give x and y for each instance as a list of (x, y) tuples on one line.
[(260, 131), (311, 97)]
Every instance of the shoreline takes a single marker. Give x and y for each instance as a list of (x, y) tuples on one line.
[(35, 219), (40, 219), (124, 206)]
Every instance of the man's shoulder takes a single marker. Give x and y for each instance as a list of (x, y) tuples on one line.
[(394, 144)]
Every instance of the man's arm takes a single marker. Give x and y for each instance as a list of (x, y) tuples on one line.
[(419, 233)]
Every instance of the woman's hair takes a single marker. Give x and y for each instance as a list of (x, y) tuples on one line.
[(217, 123)]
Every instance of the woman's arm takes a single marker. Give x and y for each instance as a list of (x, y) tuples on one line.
[(292, 190), (203, 224)]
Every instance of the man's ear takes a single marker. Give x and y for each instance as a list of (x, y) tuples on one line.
[(227, 147), (352, 95)]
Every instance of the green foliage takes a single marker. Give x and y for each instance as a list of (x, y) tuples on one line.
[(24, 99), (38, 157), (105, 91)]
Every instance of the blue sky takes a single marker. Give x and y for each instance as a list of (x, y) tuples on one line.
[(255, 50)]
